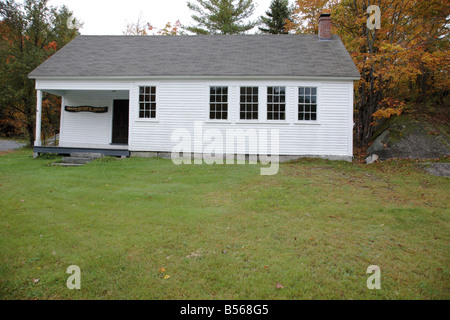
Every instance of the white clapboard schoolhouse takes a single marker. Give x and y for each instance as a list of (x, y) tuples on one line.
[(125, 95)]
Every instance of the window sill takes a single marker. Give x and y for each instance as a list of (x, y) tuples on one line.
[(276, 122), (218, 122), (248, 122), (146, 120), (307, 122)]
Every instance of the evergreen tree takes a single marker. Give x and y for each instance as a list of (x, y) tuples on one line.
[(221, 16), (276, 18)]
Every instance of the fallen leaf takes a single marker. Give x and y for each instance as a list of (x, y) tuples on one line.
[(166, 277), (162, 269), (279, 286), (35, 280)]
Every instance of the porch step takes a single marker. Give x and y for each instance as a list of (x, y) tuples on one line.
[(62, 164), (77, 160)]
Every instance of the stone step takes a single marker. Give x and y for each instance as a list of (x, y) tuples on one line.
[(62, 164), (86, 155), (77, 160)]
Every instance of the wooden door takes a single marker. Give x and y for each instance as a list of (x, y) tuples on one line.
[(120, 121)]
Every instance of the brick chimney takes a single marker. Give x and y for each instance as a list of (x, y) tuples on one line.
[(325, 26)]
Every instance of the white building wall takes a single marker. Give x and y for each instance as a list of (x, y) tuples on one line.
[(181, 103)]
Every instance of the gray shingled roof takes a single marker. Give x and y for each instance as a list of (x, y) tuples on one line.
[(220, 55)]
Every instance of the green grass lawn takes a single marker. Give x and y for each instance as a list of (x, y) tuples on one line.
[(221, 232)]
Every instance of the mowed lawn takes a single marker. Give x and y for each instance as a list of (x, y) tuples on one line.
[(148, 229)]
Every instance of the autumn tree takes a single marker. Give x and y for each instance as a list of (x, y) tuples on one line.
[(276, 17), (305, 15), (140, 28), (171, 29), (30, 33), (222, 16), (401, 64)]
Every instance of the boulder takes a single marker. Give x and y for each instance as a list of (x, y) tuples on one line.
[(405, 137), (372, 158), (439, 169)]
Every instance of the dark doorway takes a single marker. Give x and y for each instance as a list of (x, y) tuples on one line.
[(120, 121)]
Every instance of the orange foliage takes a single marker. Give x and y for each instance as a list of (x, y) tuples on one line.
[(389, 107), (170, 30), (404, 62), (51, 46)]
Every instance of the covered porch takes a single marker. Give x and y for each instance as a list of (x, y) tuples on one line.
[(92, 121)]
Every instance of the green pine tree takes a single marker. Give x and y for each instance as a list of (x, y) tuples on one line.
[(276, 18), (221, 16)]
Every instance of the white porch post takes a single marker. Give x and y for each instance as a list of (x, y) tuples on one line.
[(37, 141)]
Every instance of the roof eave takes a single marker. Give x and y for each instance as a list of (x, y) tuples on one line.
[(168, 77)]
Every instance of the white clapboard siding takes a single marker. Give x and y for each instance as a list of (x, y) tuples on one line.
[(180, 103)]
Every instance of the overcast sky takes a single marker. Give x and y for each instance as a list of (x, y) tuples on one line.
[(110, 17)]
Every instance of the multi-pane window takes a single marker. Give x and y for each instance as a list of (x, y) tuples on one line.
[(147, 102), (276, 103), (218, 103), (307, 103), (249, 103)]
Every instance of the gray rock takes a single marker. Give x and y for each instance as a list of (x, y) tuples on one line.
[(439, 169), (372, 158), (407, 138)]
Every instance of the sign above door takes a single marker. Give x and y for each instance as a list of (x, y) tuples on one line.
[(86, 109)]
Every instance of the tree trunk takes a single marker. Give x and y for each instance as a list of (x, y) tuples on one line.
[(30, 130)]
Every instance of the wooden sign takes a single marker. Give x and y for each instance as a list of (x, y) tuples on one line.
[(86, 109)]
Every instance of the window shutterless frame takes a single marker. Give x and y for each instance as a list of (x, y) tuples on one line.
[(219, 103), (146, 102), (308, 104), (276, 103), (248, 103)]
